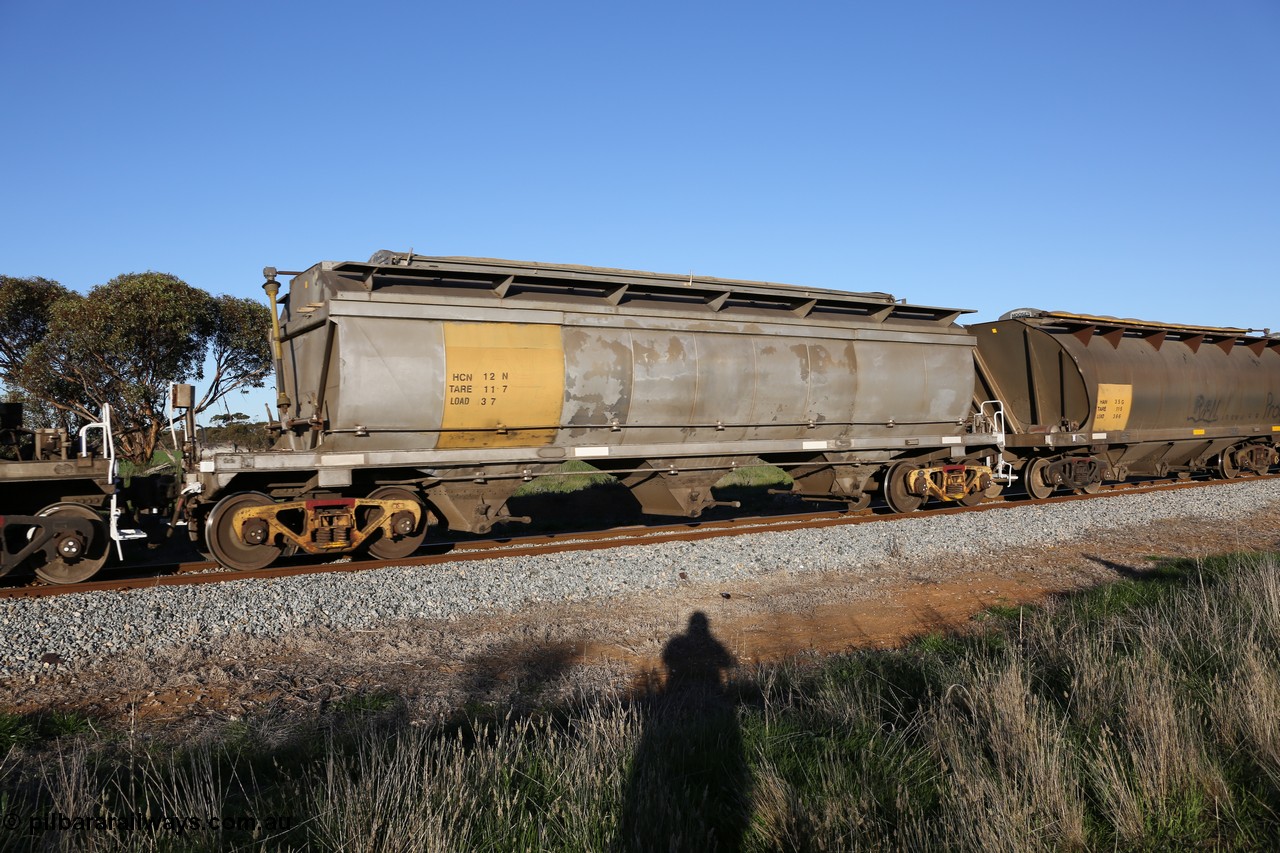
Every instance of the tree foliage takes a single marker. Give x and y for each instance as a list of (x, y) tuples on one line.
[(237, 430), (124, 344), (25, 304)]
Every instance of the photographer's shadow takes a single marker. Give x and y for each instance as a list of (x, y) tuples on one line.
[(689, 787)]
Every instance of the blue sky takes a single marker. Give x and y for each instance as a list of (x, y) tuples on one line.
[(1115, 158)]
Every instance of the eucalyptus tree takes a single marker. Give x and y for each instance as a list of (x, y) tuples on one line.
[(124, 343)]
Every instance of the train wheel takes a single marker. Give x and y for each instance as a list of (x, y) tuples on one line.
[(78, 558), (1090, 489), (863, 501), (895, 489), (1034, 480), (1227, 468), (401, 544), (225, 543)]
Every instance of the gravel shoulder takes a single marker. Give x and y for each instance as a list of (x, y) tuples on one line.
[(529, 630)]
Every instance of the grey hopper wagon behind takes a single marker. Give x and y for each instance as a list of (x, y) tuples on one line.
[(460, 378)]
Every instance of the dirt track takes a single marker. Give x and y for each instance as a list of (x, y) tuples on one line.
[(546, 653)]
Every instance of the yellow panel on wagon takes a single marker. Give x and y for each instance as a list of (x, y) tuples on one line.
[(503, 385), (1114, 404)]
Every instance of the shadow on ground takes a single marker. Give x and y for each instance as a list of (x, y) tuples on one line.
[(689, 787)]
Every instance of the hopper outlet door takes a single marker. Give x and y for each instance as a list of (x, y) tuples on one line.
[(503, 384)]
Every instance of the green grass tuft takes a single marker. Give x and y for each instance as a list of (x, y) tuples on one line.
[(17, 730), (57, 724), (571, 476), (366, 703), (756, 477)]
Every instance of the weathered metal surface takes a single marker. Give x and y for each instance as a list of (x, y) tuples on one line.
[(463, 377), (374, 376), (384, 356), (1098, 397), (1071, 373)]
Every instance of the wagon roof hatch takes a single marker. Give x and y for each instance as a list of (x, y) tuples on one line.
[(506, 279), (1112, 329)]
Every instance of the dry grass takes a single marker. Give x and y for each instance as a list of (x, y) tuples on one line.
[(1141, 716)]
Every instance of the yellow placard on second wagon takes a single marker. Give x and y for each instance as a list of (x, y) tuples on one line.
[(503, 384), (1114, 405)]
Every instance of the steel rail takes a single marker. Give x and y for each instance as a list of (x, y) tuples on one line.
[(194, 573)]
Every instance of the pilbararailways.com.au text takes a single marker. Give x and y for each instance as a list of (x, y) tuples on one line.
[(131, 822)]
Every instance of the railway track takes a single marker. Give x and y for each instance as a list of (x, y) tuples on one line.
[(202, 572)]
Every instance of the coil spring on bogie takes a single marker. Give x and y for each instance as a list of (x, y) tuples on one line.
[(954, 481), (333, 535), (333, 529)]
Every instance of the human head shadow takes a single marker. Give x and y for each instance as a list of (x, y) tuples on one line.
[(689, 786)]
